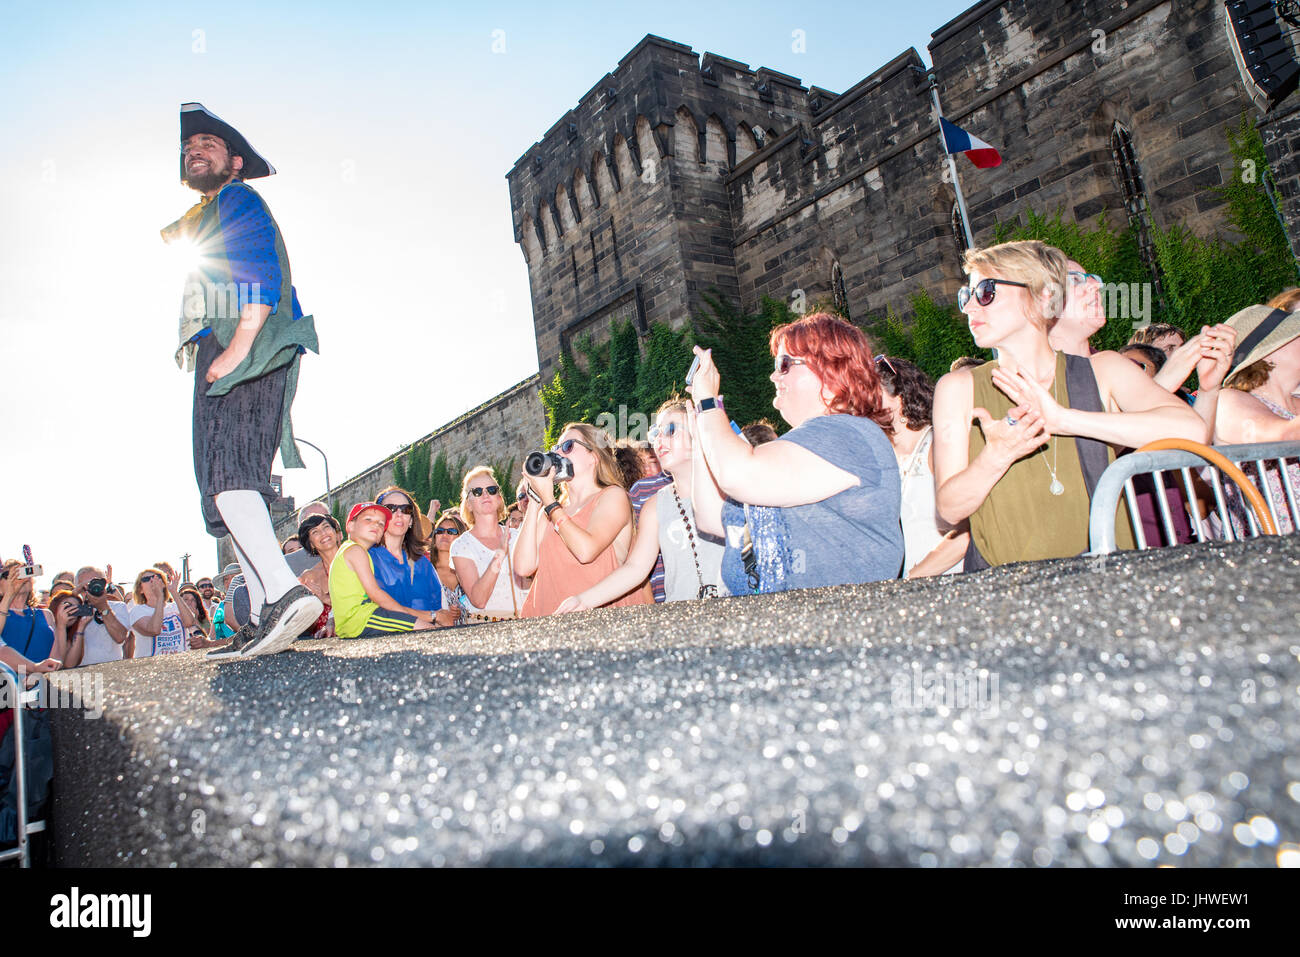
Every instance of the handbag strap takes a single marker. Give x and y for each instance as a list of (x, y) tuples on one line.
[(511, 572), (747, 556)]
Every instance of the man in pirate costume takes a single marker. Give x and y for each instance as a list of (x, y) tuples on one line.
[(242, 332)]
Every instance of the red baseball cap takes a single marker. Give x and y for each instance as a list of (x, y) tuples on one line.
[(362, 506)]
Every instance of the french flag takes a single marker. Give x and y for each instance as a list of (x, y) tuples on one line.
[(957, 140)]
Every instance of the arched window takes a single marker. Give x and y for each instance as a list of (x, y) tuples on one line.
[(839, 294), (958, 233), (1135, 199)]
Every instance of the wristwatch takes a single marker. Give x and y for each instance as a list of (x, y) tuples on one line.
[(711, 402), (551, 508)]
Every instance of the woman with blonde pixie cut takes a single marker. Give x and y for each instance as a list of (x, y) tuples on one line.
[(571, 543), (482, 556), (1048, 423)]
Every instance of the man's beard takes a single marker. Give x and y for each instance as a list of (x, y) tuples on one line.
[(210, 179)]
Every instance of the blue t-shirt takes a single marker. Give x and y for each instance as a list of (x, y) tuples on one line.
[(413, 584), (28, 633), (853, 536)]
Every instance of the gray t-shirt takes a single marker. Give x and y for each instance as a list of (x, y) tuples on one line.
[(851, 537), (681, 580)]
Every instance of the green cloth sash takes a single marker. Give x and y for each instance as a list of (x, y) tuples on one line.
[(278, 341)]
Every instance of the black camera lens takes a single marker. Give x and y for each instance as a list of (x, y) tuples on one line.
[(537, 463), (97, 587)]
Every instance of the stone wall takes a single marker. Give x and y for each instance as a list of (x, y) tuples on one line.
[(657, 181), (621, 209), (866, 185)]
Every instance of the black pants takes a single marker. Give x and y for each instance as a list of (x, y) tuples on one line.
[(236, 435)]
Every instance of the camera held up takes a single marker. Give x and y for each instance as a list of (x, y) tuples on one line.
[(537, 463)]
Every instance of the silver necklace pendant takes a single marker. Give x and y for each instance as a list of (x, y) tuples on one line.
[(1056, 488)]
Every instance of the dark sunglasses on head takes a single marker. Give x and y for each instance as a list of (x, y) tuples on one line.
[(984, 291), (885, 359), (668, 430), (784, 362), (566, 447), (453, 531), (491, 490)]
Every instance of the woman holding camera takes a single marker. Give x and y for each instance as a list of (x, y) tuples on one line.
[(33, 640), (820, 505), (667, 526), (571, 543), (484, 555)]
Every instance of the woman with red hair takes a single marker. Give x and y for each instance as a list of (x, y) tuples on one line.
[(820, 505)]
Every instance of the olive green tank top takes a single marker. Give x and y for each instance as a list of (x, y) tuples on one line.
[(1020, 519)]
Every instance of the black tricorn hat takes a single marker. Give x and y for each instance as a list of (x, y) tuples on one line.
[(197, 118)]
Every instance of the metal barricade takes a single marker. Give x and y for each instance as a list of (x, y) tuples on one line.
[(11, 687), (1181, 456)]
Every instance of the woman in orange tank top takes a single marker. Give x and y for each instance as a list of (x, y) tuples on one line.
[(572, 543)]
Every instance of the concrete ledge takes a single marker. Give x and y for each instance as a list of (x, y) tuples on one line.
[(1133, 712)]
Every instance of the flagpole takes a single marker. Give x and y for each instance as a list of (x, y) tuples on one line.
[(952, 163)]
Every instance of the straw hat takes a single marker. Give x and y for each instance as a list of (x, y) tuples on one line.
[(1261, 331)]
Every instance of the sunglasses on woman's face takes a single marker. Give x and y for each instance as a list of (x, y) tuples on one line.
[(784, 363), (407, 509), (984, 291), (148, 578), (453, 531), (668, 430), (491, 490), (566, 447)]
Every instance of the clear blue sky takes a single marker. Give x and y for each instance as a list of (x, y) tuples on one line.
[(392, 126)]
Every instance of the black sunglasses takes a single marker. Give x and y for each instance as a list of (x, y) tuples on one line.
[(885, 359), (491, 490), (148, 578), (984, 291), (453, 531), (566, 447), (407, 509), (784, 363)]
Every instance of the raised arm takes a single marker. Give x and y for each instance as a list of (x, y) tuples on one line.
[(528, 547), (961, 485), (1139, 410), (632, 573)]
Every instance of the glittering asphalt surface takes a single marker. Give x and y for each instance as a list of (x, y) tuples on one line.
[(1139, 712)]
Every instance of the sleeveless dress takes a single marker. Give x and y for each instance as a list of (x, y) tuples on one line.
[(1020, 519), (560, 575), (923, 529)]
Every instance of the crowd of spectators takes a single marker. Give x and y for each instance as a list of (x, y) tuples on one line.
[(882, 474)]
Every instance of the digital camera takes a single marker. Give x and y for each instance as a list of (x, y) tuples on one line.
[(97, 587), (536, 463)]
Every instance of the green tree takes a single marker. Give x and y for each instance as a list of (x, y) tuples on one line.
[(933, 338), (415, 474), (741, 351)]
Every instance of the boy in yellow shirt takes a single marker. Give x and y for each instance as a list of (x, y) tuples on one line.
[(362, 609)]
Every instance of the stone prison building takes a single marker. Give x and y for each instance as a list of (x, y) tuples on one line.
[(677, 174)]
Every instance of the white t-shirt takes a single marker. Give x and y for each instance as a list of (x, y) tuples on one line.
[(100, 646), (467, 546), (170, 641)]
